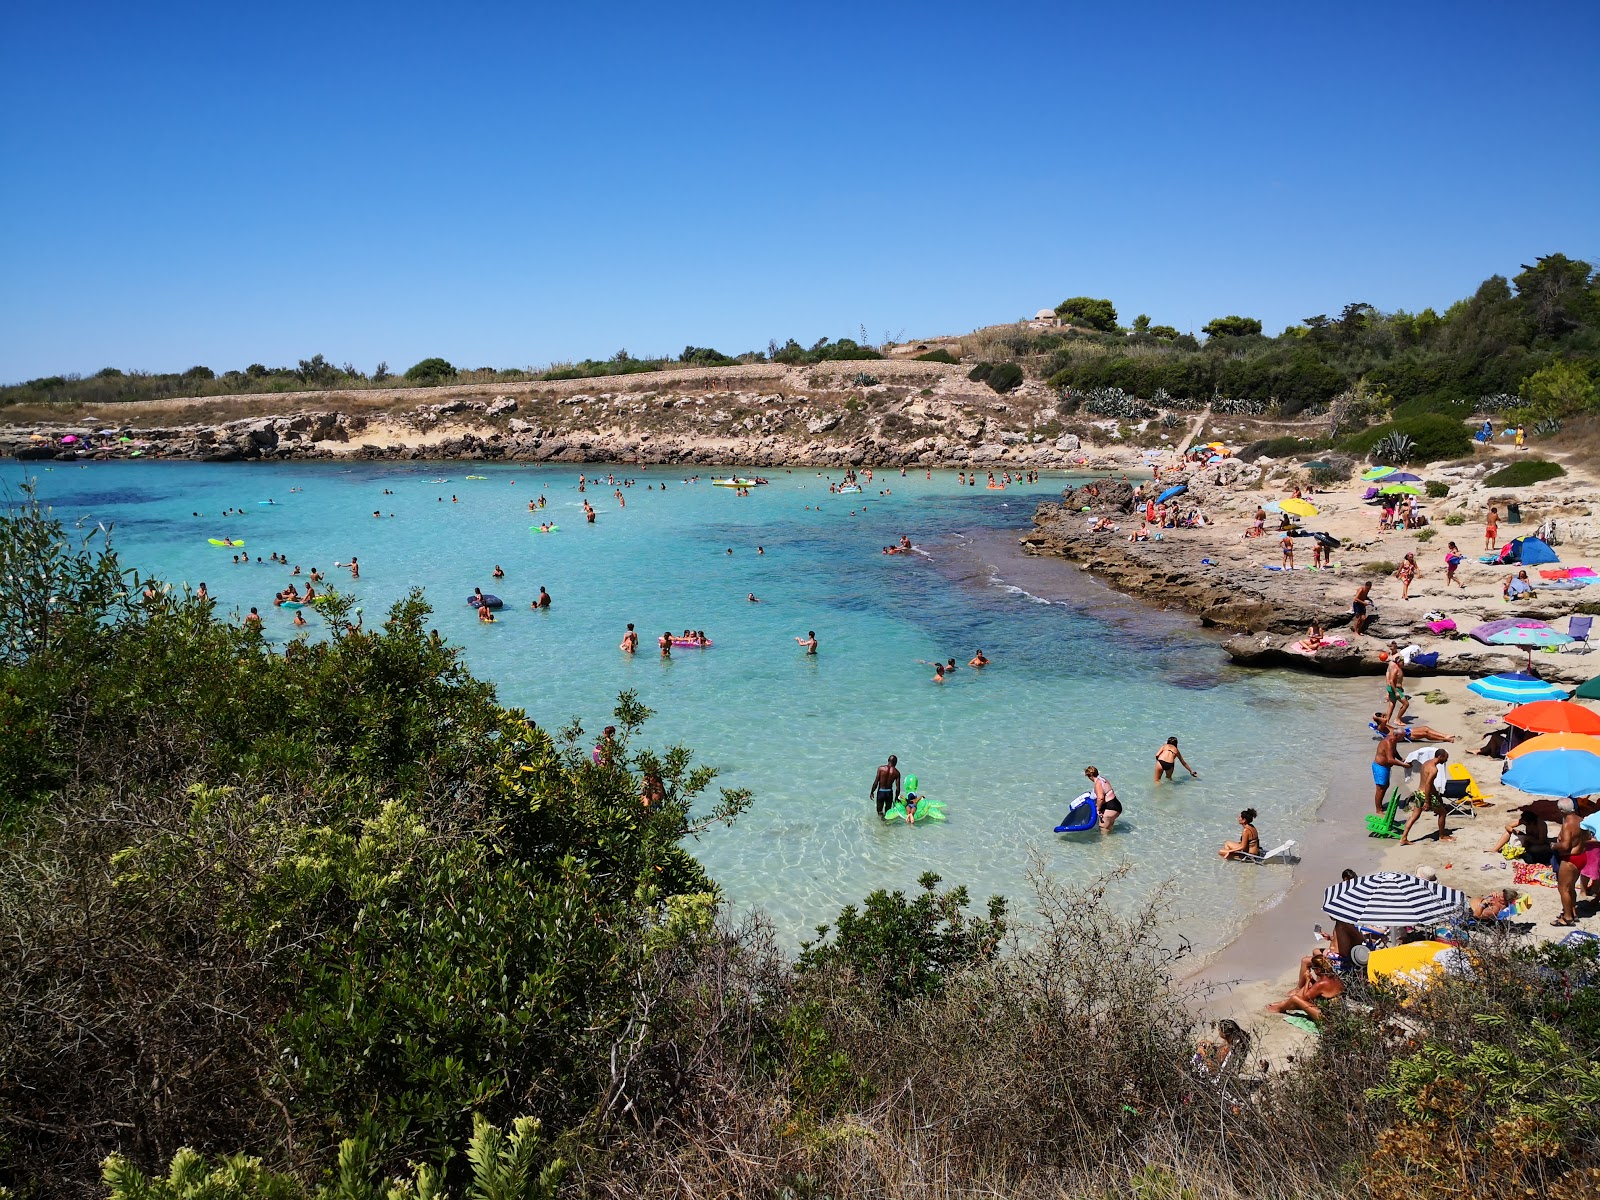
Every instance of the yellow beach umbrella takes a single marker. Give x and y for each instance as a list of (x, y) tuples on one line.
[(1300, 508)]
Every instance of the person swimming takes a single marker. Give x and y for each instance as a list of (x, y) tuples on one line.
[(978, 660), (630, 639)]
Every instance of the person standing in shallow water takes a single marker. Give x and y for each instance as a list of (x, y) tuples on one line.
[(1105, 798), (886, 785), (1167, 757)]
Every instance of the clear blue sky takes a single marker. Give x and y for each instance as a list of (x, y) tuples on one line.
[(513, 184)]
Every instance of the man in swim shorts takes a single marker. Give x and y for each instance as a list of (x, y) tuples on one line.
[(886, 785), (544, 599), (1428, 797), (1394, 685), (1361, 608), (1169, 756), (1384, 760)]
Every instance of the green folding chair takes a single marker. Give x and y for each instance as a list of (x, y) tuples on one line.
[(1386, 824)]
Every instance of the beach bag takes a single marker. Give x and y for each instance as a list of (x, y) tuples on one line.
[(1429, 660), (1446, 625)]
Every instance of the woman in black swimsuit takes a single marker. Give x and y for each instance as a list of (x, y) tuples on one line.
[(1105, 798)]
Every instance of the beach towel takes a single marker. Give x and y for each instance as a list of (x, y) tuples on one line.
[(1581, 573), (1446, 625), (1532, 875)]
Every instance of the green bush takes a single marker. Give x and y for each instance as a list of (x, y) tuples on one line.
[(1455, 519), (1435, 438), (1287, 446), (1379, 567), (1525, 472), (980, 372), (941, 355), (1436, 490), (1425, 534), (431, 371), (1004, 377)]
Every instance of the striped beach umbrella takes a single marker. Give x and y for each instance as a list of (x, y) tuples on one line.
[(1391, 898), (1516, 687)]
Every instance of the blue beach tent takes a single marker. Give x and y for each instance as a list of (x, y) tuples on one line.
[(1529, 551)]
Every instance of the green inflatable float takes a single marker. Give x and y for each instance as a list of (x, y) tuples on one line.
[(915, 809)]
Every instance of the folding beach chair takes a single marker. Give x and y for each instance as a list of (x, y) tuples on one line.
[(1578, 631), (1384, 824), (1457, 802), (1284, 852)]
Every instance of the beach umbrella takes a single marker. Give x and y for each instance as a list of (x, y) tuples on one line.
[(1565, 769), (1519, 631), (1391, 898), (1554, 716), (1399, 489), (1316, 464), (1516, 688), (1300, 508), (1372, 473), (69, 439), (1176, 490), (1582, 743), (1588, 691), (1402, 477)]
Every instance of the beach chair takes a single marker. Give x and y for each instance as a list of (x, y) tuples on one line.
[(1284, 852), (1385, 824), (1578, 630), (1457, 801)]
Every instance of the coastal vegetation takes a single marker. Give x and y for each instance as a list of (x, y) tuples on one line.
[(1524, 472), (280, 919)]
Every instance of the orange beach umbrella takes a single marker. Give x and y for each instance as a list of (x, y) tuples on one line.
[(1554, 716), (1557, 741)]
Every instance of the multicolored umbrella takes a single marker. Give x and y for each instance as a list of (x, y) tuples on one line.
[(1300, 508), (1399, 489), (1519, 631), (1555, 764), (1372, 473), (1554, 716), (1391, 898), (1516, 688)]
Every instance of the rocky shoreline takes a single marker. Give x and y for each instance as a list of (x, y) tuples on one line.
[(1267, 611), (872, 413)]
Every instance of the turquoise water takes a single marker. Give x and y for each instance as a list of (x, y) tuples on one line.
[(1079, 675)]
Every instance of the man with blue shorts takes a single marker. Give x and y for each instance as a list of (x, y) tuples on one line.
[(1383, 762)]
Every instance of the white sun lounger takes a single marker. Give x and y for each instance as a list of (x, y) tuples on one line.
[(1284, 852)]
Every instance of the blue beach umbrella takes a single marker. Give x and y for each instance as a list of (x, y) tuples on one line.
[(1372, 473), (1516, 688), (1563, 772), (1176, 490), (1402, 477)]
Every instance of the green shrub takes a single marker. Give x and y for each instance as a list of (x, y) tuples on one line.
[(1004, 377), (1525, 472), (941, 355), (1284, 447), (430, 372), (980, 372), (1455, 519), (1424, 534), (1378, 568), (1436, 490), (1434, 438)]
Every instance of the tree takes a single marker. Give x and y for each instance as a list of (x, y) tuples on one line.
[(199, 373), (380, 372), (431, 371), (1226, 327), (1558, 294), (316, 371), (1141, 324), (1165, 332), (1088, 312), (1559, 390)]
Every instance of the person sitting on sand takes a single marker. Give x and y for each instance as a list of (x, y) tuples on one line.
[(978, 660), (1231, 1045), (1495, 744), (1531, 833), (1320, 983), (1516, 586), (1141, 534), (1249, 840), (1258, 525), (1104, 525), (1409, 732)]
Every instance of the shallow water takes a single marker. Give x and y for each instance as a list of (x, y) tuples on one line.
[(1079, 674)]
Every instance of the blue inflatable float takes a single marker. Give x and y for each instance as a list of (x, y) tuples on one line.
[(492, 603), (1081, 817)]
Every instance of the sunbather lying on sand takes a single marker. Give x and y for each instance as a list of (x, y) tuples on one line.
[(1411, 733)]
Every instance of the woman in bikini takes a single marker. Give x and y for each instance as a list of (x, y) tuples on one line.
[(1249, 840), (1105, 798), (1169, 756)]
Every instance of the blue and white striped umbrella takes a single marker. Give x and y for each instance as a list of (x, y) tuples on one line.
[(1517, 688), (1391, 898)]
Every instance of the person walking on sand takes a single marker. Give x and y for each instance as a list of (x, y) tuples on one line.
[(1428, 797), (1384, 761), (1361, 607), (1406, 572), (1491, 528), (1167, 757), (1286, 544), (1572, 844), (886, 785), (1394, 685), (1105, 798), (1452, 563)]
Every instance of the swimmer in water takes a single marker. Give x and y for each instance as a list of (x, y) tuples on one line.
[(938, 672), (499, 573), (665, 642), (753, 598), (485, 615), (978, 660), (543, 600), (300, 619), (1105, 798), (630, 640), (809, 641)]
